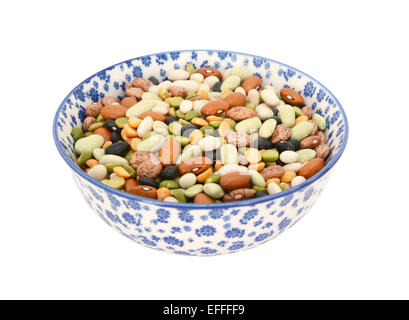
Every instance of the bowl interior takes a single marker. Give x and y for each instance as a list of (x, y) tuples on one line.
[(111, 81)]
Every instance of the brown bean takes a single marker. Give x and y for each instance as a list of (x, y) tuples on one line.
[(322, 151), (104, 133), (310, 142), (311, 168), (273, 171), (291, 97), (113, 112), (214, 108), (93, 109), (177, 91), (236, 99), (241, 113), (281, 133), (153, 115), (202, 198), (88, 122), (207, 72), (128, 102), (135, 92), (144, 191), (195, 165), (235, 180), (130, 184), (169, 152), (251, 83), (106, 101), (142, 83), (239, 194), (150, 168)]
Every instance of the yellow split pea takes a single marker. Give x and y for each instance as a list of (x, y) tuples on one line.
[(200, 122), (204, 175), (121, 172), (288, 176), (195, 136), (253, 155)]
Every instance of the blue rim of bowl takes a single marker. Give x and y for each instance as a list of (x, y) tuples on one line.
[(241, 203)]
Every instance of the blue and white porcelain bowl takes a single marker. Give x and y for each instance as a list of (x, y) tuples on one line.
[(184, 228)]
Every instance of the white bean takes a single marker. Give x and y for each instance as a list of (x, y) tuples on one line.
[(264, 112), (154, 89), (210, 143), (296, 166), (165, 84), (211, 81), (186, 106), (189, 85), (204, 86), (253, 97), (198, 105), (273, 188), (240, 90), (170, 199), (144, 127), (159, 125), (187, 180), (228, 168), (197, 77), (270, 98), (98, 172), (178, 74), (161, 109), (297, 180), (289, 156)]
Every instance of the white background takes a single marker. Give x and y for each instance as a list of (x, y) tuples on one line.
[(352, 244)]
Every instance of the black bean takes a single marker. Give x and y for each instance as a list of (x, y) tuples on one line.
[(187, 129), (145, 181), (170, 119), (169, 173), (154, 80), (116, 136), (296, 144), (217, 87), (283, 146), (119, 148), (275, 110), (260, 194), (263, 143), (111, 125)]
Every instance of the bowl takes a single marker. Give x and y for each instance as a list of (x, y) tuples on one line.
[(185, 228)]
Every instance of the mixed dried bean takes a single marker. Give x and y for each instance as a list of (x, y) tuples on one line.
[(203, 137)]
